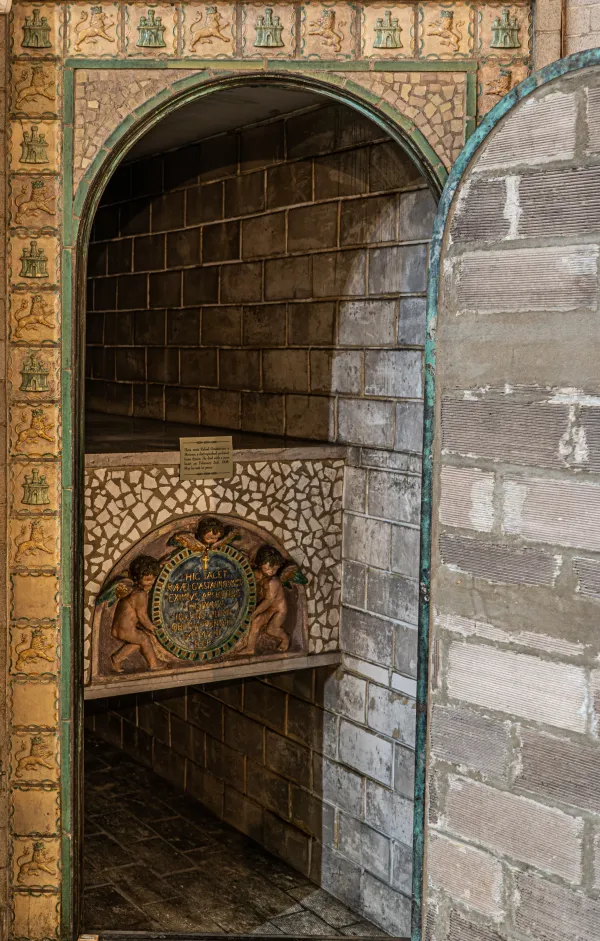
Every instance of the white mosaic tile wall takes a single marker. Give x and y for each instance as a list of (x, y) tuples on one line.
[(299, 502)]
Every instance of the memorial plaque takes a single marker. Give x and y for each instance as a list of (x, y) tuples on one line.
[(202, 602), (205, 457)]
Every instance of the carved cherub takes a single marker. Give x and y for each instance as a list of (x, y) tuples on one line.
[(38, 428), (41, 861), (29, 317), (97, 29), (213, 28), (32, 540), (210, 534), (325, 27), (274, 575), (131, 622)]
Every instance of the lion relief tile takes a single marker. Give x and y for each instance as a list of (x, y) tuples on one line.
[(34, 89), (93, 29), (446, 30), (34, 757), (328, 30), (33, 202), (34, 430), (209, 30), (34, 650), (34, 317), (34, 542), (36, 862)]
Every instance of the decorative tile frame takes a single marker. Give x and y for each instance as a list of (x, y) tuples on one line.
[(50, 207)]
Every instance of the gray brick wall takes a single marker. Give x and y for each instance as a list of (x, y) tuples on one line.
[(514, 758), (249, 293)]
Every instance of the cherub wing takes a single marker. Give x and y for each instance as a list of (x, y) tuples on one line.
[(230, 536), (292, 575), (186, 540), (119, 588)]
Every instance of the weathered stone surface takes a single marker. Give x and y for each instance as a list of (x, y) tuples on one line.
[(393, 596), (517, 684), (467, 498), (394, 373), (367, 636), (563, 202), (523, 280), (561, 512), (389, 812), (561, 769), (498, 563), (523, 829), (466, 738), (367, 322), (386, 907), (392, 714), (365, 846), (547, 910), (368, 753), (394, 496), (468, 875), (367, 540), (369, 423)]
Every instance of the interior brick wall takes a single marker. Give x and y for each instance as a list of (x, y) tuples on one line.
[(264, 280)]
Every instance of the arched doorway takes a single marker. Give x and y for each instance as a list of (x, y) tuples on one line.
[(377, 472)]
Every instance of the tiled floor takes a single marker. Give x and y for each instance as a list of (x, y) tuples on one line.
[(158, 860)]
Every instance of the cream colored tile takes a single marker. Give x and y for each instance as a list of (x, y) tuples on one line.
[(34, 88), (36, 28), (34, 543), (327, 31), (504, 30), (33, 201), (269, 31), (36, 862), (388, 30), (34, 430), (34, 374), (34, 650), (151, 30), (209, 30), (34, 145), (34, 487), (34, 757), (36, 917), (34, 318), (34, 703), (33, 261), (446, 30), (495, 81), (34, 596), (93, 29)]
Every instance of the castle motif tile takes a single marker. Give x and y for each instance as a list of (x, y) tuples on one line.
[(269, 31), (36, 29), (34, 430), (33, 542), (93, 30), (33, 260), (34, 487), (35, 810), (151, 30), (34, 317), (504, 31), (35, 146), (388, 31), (33, 202), (34, 596), (328, 30), (34, 89), (496, 79), (446, 30), (34, 374), (34, 759), (34, 704), (36, 863), (36, 916), (33, 650), (209, 30)]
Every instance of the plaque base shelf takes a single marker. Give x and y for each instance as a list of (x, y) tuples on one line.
[(135, 683)]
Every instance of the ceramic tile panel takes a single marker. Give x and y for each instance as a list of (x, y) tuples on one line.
[(36, 863), (34, 89), (34, 317), (33, 202), (34, 543), (93, 29), (34, 430), (388, 30), (34, 703), (151, 30), (446, 30), (34, 596), (35, 145), (504, 31), (35, 810), (328, 30), (209, 30), (36, 29), (34, 374), (33, 649), (34, 488), (36, 917), (496, 79), (33, 260), (269, 31), (34, 757)]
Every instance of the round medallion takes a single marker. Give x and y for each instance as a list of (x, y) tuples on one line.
[(202, 602)]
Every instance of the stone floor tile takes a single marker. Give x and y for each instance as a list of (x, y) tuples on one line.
[(106, 909), (326, 907), (303, 923)]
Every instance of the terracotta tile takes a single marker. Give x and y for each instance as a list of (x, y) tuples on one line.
[(36, 29), (35, 810), (34, 596), (209, 30), (33, 202), (34, 487), (34, 430), (36, 917), (34, 88), (151, 31), (446, 30), (34, 703), (268, 32), (93, 32), (33, 260), (34, 543), (35, 145), (388, 31), (327, 31), (34, 318), (34, 374), (33, 650), (36, 863)]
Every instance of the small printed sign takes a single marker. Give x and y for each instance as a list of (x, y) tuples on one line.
[(205, 457)]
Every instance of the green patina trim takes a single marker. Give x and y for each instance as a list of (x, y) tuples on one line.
[(182, 84), (74, 63), (414, 65), (580, 60), (470, 105), (67, 537), (300, 65), (318, 65)]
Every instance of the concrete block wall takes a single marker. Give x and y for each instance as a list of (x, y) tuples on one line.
[(269, 279), (514, 754)]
